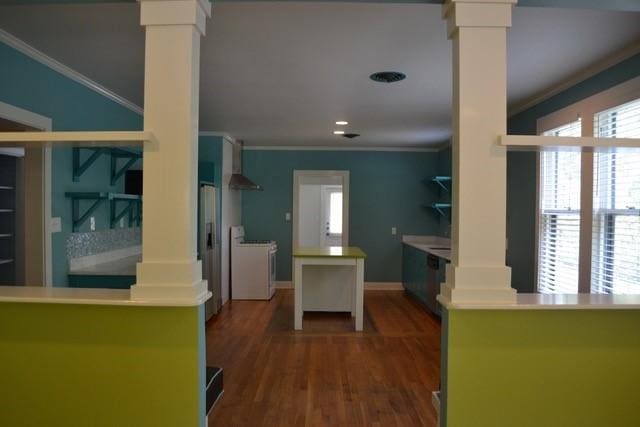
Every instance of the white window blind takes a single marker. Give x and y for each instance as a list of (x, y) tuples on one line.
[(559, 220), (616, 202)]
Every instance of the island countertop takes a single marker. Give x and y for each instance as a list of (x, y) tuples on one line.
[(329, 252)]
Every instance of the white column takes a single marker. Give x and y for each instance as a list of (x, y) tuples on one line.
[(478, 30), (170, 270)]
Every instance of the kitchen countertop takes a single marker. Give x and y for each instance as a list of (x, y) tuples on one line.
[(430, 244), (120, 267), (329, 252)]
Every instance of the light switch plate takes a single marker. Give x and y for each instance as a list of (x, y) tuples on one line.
[(287, 216), (56, 224), (394, 231), (92, 223)]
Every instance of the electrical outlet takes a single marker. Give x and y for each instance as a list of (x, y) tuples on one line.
[(287, 216), (394, 231), (92, 223), (121, 222), (56, 224)]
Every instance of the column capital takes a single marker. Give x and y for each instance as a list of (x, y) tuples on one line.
[(477, 14), (175, 12)]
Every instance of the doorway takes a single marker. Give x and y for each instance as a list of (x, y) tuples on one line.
[(25, 235), (320, 208)]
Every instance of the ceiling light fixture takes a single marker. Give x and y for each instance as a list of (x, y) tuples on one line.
[(342, 123), (338, 132)]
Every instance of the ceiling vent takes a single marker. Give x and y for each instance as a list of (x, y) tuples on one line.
[(351, 135), (387, 77)]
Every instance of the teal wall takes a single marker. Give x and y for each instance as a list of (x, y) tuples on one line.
[(387, 190), (29, 85), (521, 169)]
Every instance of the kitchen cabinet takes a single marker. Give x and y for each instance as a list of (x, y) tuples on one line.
[(422, 275)]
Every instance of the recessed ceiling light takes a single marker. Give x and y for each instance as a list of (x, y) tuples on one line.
[(342, 123), (338, 132)]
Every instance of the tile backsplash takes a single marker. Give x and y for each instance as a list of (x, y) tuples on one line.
[(91, 243)]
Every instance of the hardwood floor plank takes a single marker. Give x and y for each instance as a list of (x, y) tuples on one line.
[(327, 374)]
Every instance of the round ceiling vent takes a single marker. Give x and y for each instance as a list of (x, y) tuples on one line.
[(387, 76)]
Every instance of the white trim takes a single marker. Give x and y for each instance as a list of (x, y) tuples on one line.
[(566, 143), (590, 71), (45, 124), (81, 139), (344, 179), (551, 302), (331, 148), (368, 286), (33, 53), (223, 135)]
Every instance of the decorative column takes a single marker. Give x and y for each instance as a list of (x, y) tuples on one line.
[(170, 270), (478, 30)]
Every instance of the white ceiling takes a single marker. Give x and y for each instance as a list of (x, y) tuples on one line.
[(281, 73)]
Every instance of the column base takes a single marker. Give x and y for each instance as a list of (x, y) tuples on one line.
[(478, 285), (173, 283)]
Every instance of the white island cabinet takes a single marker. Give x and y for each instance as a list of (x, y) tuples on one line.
[(329, 279)]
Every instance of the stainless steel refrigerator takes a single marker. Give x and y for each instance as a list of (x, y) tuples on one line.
[(209, 246)]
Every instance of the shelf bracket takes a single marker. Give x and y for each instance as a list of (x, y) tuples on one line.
[(80, 167), (116, 173), (76, 217), (132, 209)]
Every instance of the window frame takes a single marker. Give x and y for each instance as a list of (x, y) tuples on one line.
[(586, 109)]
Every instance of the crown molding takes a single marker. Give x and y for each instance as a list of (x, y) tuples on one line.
[(586, 73), (326, 148), (33, 53)]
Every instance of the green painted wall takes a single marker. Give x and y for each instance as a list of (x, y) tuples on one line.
[(387, 190), (32, 86), (533, 368), (521, 169), (83, 365)]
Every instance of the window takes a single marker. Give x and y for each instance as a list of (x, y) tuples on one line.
[(611, 231), (615, 266), (335, 212), (559, 219)]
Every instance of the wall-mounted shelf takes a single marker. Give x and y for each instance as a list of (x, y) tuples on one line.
[(80, 166), (441, 181), (441, 208), (6, 210), (77, 139), (132, 208), (566, 143), (5, 261), (5, 187), (5, 235), (78, 218)]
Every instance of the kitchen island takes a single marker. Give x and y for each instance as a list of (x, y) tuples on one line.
[(329, 279)]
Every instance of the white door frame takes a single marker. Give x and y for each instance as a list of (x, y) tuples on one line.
[(324, 177), (36, 121)]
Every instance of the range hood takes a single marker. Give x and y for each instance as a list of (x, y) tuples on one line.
[(238, 181)]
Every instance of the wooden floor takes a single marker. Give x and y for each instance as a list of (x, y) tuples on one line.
[(326, 375)]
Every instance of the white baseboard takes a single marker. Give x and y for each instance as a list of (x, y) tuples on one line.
[(368, 286)]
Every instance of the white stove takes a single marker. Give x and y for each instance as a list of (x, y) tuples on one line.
[(253, 266)]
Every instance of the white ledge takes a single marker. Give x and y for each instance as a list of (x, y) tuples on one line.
[(553, 302), (566, 143), (48, 295), (78, 139)]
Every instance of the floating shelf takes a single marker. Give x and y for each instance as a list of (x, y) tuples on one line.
[(566, 143), (77, 139), (5, 261), (98, 198)]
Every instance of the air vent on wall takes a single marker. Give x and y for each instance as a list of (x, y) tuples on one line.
[(387, 76)]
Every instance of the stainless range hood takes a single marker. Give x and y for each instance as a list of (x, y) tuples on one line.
[(238, 181)]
